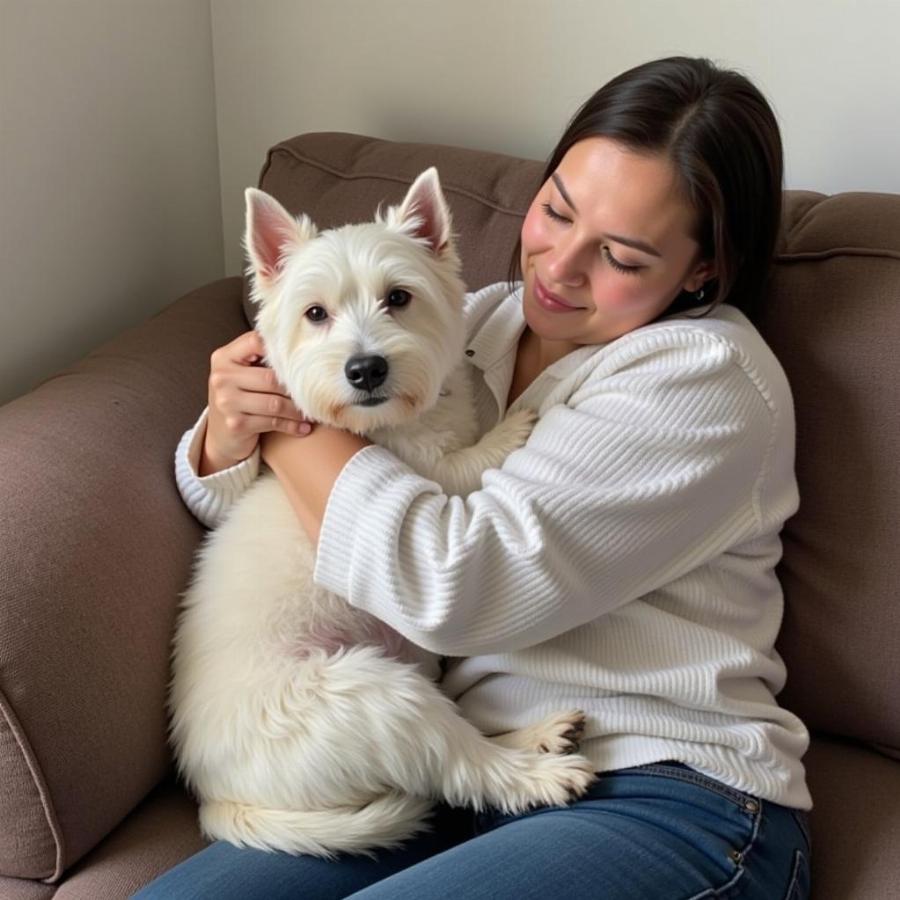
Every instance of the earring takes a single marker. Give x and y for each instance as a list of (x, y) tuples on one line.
[(700, 294)]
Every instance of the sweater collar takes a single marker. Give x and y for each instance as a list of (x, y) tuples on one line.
[(495, 341), (502, 324)]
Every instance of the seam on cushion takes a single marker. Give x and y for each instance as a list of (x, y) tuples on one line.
[(38, 780), (835, 251), (310, 161), (886, 750), (807, 213), (815, 199), (265, 168)]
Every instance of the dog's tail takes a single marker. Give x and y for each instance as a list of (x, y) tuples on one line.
[(384, 823)]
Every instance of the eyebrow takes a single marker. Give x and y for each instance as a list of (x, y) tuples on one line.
[(618, 238)]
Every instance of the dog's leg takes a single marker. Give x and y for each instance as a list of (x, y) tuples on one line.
[(474, 770), (460, 471), (426, 748)]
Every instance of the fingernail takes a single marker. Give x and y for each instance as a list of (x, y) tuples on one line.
[(304, 428)]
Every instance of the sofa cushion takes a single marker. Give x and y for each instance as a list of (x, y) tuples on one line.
[(855, 833), (95, 548), (157, 835)]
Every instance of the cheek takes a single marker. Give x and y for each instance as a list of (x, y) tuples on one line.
[(629, 297), (617, 290), (535, 235)]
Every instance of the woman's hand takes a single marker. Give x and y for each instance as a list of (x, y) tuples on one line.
[(245, 401)]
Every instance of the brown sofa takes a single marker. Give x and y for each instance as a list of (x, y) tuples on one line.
[(95, 543)]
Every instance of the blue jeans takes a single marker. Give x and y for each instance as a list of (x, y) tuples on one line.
[(655, 832)]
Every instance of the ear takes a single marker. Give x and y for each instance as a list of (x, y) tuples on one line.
[(271, 233), (702, 272), (424, 214)]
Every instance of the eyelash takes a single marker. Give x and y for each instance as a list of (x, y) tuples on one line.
[(619, 267)]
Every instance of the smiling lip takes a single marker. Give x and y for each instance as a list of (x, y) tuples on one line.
[(551, 302)]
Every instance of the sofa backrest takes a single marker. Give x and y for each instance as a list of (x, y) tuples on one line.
[(341, 178), (833, 317)]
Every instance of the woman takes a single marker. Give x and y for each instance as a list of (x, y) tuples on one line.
[(622, 562)]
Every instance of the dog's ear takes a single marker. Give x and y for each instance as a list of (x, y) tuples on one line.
[(271, 233), (424, 213)]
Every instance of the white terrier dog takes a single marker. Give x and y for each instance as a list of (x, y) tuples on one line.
[(301, 723)]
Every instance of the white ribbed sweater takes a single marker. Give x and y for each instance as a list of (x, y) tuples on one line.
[(621, 562)]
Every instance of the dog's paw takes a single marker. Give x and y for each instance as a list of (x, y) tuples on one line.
[(508, 434), (578, 778), (517, 426), (559, 733), (555, 780)]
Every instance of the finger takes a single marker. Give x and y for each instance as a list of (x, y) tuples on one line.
[(244, 350), (262, 424), (273, 406), (259, 379)]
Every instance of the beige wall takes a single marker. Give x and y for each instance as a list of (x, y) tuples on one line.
[(129, 128), (505, 75), (109, 183)]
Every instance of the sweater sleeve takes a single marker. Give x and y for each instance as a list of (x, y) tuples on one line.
[(209, 498), (648, 470)]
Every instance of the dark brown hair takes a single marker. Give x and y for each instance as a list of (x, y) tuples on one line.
[(722, 137)]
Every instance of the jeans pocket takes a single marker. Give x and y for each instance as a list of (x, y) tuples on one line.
[(799, 885), (801, 817)]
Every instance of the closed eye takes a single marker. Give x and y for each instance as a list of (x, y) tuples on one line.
[(552, 213), (620, 267)]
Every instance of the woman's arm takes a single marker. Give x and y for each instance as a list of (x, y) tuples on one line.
[(653, 467), (309, 468)]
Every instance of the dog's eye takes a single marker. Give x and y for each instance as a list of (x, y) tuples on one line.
[(316, 314), (397, 297)]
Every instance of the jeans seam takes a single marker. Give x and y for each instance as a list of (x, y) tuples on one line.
[(735, 796), (717, 892), (802, 823), (724, 889), (795, 874)]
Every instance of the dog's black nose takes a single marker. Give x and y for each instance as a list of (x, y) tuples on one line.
[(366, 372)]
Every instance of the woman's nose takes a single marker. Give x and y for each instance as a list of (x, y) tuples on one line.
[(564, 267)]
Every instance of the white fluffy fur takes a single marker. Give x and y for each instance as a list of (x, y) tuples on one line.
[(301, 723)]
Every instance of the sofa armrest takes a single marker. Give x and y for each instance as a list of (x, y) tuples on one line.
[(95, 548)]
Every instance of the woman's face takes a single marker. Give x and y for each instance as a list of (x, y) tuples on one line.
[(607, 245)]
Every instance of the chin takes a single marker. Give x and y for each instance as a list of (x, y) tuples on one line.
[(361, 420), (546, 326)]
